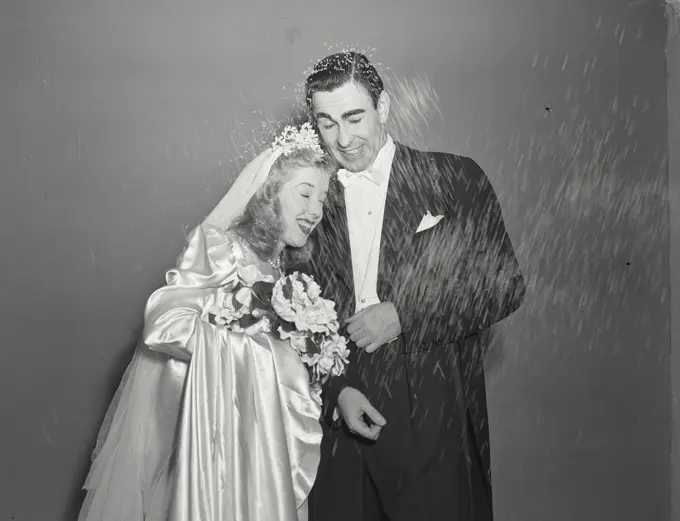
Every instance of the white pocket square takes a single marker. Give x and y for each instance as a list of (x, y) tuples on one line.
[(428, 221)]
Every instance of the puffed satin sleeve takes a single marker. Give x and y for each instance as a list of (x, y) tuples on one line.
[(176, 314)]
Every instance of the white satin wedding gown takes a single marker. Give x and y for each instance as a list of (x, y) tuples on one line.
[(207, 424)]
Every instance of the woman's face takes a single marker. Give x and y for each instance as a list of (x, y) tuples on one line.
[(302, 196)]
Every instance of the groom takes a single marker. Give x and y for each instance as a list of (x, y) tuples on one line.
[(414, 251)]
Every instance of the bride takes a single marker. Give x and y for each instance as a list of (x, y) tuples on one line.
[(213, 422)]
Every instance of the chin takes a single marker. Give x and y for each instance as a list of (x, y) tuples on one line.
[(297, 242), (358, 166)]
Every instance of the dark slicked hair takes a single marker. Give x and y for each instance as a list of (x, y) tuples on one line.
[(334, 71)]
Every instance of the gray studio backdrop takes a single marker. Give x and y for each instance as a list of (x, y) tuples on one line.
[(673, 62), (122, 122)]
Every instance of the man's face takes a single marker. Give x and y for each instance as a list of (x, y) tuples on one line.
[(350, 126)]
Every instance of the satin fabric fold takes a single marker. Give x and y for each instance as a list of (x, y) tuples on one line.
[(250, 435), (207, 424)]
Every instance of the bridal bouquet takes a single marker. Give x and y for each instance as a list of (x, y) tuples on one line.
[(311, 324), (294, 309)]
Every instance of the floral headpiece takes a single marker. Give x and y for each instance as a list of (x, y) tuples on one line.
[(293, 139)]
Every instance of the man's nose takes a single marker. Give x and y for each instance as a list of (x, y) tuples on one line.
[(344, 137)]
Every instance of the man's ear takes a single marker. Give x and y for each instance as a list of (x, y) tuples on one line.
[(383, 106)]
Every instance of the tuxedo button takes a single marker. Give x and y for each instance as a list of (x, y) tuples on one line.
[(363, 300), (370, 213)]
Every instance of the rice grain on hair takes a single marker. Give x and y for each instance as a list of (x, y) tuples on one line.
[(334, 71)]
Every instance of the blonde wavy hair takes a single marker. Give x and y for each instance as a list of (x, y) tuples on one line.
[(260, 224)]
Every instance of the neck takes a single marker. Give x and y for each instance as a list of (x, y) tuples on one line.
[(383, 142), (278, 250)]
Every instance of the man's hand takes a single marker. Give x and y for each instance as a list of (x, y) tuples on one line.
[(359, 415), (374, 326)]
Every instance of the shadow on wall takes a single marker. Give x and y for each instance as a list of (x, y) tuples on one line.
[(494, 350), (118, 369)]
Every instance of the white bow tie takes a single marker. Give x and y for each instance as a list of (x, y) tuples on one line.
[(347, 178)]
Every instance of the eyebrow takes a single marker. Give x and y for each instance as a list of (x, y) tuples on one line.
[(345, 115)]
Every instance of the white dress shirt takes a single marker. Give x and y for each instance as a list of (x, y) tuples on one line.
[(365, 194)]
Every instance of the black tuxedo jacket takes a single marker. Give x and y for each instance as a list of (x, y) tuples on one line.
[(448, 283)]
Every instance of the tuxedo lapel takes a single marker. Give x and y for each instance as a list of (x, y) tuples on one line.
[(405, 204), (336, 245), (409, 196)]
